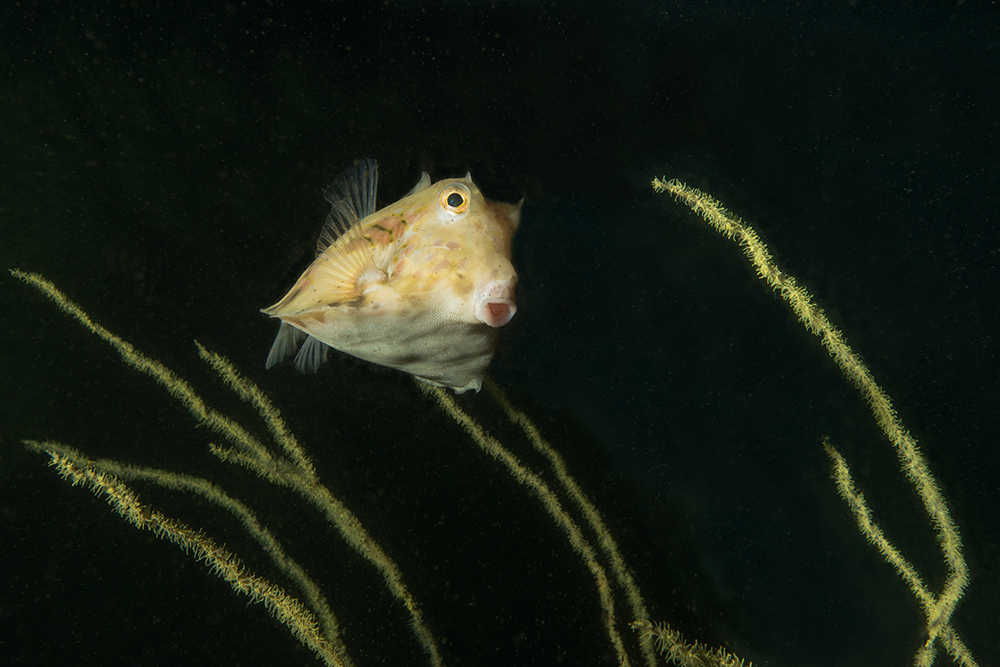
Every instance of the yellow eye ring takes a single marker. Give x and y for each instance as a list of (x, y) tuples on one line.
[(455, 199)]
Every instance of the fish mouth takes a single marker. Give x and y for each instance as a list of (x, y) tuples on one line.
[(495, 304)]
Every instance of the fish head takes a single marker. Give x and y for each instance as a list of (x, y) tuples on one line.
[(456, 247)]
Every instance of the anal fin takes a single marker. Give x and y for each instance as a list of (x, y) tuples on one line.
[(310, 357), (285, 344)]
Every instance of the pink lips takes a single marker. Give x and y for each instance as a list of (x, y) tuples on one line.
[(495, 303)]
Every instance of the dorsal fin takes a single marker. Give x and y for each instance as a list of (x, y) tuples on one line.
[(352, 199)]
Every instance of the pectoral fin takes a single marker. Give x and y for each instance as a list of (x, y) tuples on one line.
[(344, 266)]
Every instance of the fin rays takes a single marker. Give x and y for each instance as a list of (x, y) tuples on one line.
[(342, 240), (347, 259), (285, 344), (352, 198)]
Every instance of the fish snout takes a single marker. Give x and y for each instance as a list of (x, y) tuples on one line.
[(495, 303)]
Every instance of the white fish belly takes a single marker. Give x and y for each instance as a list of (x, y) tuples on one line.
[(424, 342)]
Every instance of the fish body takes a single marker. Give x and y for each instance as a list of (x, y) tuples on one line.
[(422, 285)]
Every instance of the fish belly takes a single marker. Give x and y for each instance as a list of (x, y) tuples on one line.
[(427, 342)]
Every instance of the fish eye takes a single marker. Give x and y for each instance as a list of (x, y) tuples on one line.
[(454, 199)]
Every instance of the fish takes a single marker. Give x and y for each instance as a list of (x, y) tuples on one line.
[(422, 285)]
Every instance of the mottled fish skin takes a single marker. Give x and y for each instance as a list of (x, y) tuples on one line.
[(422, 285)]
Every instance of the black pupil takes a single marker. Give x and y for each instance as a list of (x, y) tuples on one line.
[(455, 200)]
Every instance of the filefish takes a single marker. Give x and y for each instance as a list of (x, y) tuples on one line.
[(422, 285)]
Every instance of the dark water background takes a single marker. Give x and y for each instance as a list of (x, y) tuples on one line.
[(165, 166)]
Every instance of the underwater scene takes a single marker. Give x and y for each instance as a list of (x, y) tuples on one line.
[(747, 416)]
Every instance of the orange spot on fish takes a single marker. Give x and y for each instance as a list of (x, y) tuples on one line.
[(396, 227), (412, 217), (383, 231)]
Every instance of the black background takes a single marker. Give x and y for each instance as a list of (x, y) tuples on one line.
[(165, 166)]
